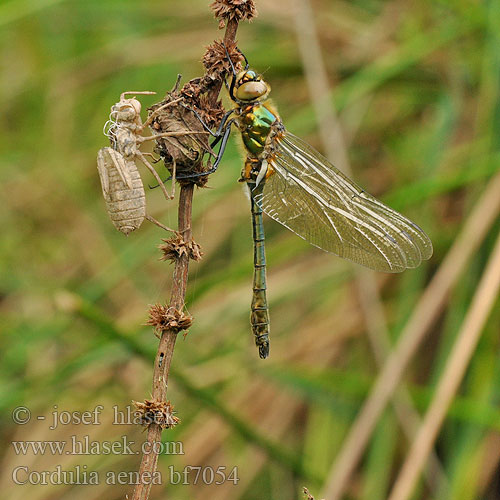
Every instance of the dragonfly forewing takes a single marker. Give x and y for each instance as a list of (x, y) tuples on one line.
[(312, 198)]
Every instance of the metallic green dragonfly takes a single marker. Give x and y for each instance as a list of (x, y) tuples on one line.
[(298, 187)]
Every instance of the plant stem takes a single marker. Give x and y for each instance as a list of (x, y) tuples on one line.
[(166, 345)]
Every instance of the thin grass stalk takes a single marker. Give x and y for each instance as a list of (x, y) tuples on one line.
[(454, 371), (334, 143), (424, 315)]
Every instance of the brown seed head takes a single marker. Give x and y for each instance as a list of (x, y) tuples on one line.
[(226, 10), (157, 412), (193, 89), (163, 319), (215, 59), (175, 247), (211, 115)]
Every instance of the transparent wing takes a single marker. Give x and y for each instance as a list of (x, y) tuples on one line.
[(312, 198)]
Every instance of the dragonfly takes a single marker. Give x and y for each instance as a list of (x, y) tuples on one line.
[(298, 187)]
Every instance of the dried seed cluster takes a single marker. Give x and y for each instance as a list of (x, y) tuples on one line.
[(157, 412), (211, 113), (163, 318), (216, 62), (228, 10), (188, 151), (185, 151), (176, 247)]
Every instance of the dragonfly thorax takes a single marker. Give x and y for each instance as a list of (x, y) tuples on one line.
[(255, 123)]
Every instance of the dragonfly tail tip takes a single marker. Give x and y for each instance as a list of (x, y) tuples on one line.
[(264, 351)]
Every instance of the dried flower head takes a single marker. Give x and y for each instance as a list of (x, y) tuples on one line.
[(187, 149), (157, 412), (175, 247), (211, 114), (227, 10), (193, 89), (216, 62), (163, 318)]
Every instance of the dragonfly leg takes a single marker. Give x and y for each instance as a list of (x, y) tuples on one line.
[(174, 172), (222, 148), (180, 133), (247, 64), (233, 69), (233, 82), (136, 92), (224, 137), (156, 112), (155, 174), (151, 155), (159, 224), (218, 133)]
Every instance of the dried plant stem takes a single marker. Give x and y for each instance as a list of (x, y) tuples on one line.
[(459, 358), (166, 345), (229, 36)]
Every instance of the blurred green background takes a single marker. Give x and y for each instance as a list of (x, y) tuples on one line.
[(416, 85)]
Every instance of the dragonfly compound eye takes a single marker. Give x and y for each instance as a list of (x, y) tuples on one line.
[(249, 91)]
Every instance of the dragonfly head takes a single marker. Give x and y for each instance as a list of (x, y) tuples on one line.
[(249, 86), (126, 110)]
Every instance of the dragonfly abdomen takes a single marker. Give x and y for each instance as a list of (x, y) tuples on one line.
[(259, 318)]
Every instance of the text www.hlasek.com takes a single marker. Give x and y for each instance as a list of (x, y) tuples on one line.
[(85, 446)]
